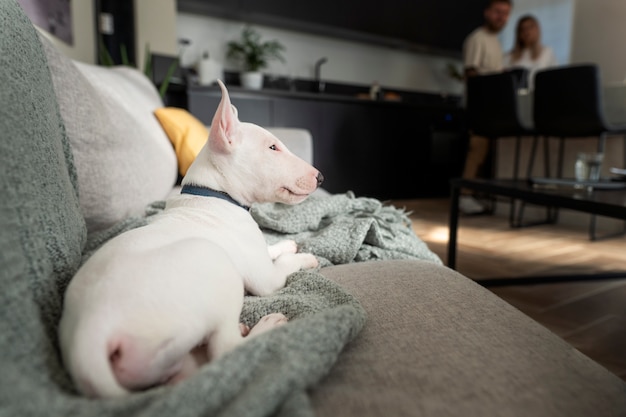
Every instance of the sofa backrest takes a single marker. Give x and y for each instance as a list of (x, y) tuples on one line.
[(123, 158)]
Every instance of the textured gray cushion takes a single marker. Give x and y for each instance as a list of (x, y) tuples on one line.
[(42, 231), (123, 157), (438, 344)]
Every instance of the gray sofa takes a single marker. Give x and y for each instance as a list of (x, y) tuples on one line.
[(83, 158)]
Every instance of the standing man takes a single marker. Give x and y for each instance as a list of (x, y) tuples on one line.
[(482, 54)]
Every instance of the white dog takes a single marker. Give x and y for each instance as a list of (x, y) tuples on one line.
[(138, 310)]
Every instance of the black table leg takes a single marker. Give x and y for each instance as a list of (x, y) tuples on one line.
[(453, 225)]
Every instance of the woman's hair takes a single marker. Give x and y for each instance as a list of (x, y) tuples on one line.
[(518, 47)]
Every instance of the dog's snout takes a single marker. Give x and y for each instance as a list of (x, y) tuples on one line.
[(320, 179)]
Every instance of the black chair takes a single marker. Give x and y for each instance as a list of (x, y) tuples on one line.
[(567, 103), (492, 112)]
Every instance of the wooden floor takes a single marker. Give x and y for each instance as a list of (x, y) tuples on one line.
[(590, 315)]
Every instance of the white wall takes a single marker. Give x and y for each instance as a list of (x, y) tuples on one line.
[(599, 36), (155, 25)]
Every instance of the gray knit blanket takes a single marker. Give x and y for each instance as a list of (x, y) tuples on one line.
[(342, 228)]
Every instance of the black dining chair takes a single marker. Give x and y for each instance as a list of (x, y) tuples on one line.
[(493, 112), (567, 103)]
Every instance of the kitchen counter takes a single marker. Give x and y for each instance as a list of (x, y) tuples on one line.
[(341, 93)]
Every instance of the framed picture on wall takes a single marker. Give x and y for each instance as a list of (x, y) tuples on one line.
[(53, 16)]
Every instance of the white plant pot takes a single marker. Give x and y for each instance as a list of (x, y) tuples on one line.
[(252, 80)]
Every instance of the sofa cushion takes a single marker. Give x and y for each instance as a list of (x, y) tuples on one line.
[(123, 157), (438, 344), (185, 131), (42, 231)]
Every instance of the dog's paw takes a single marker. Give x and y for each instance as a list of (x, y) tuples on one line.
[(307, 260), (284, 246), (244, 329), (267, 323)]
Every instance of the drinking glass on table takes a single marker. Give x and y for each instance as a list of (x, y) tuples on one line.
[(587, 168)]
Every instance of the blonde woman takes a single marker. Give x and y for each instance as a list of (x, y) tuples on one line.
[(528, 51)]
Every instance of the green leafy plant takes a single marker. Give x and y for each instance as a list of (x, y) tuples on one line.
[(105, 57), (107, 60), (454, 72), (252, 53)]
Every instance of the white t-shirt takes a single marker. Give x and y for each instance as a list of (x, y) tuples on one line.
[(546, 59), (482, 50)]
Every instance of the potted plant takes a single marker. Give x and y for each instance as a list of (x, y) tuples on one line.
[(107, 60), (253, 55)]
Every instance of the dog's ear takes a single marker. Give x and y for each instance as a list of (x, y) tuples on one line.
[(225, 123)]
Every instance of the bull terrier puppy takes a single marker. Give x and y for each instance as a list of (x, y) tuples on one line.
[(155, 302)]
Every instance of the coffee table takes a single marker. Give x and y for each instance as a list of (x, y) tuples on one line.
[(605, 202)]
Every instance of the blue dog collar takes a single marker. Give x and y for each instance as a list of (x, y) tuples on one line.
[(209, 192)]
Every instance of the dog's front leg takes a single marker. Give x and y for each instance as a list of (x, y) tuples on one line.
[(288, 263), (272, 275), (284, 246), (286, 260)]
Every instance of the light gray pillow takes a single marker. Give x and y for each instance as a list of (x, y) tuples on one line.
[(123, 158)]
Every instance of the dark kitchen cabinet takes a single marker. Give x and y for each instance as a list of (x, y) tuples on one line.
[(351, 157)]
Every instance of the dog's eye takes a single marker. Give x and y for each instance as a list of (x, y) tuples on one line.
[(273, 147)]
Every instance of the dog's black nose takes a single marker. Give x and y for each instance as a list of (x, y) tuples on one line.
[(320, 179)]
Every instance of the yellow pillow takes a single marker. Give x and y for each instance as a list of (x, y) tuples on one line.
[(186, 132)]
